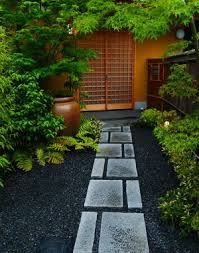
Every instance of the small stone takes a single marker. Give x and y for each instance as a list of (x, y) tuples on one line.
[(126, 129), (121, 168), (129, 150), (104, 193), (98, 168), (109, 150), (86, 233), (104, 137), (123, 233), (112, 129), (121, 138), (133, 194)]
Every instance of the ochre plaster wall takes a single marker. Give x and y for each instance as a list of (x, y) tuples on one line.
[(147, 50)]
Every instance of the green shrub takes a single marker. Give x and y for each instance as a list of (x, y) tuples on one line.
[(53, 152), (179, 83), (153, 117), (32, 119), (180, 140), (6, 105)]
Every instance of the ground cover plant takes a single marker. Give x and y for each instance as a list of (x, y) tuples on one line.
[(179, 139)]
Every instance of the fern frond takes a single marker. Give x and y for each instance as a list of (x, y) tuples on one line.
[(71, 141), (57, 147), (55, 157), (23, 160), (4, 162), (41, 156), (63, 140)]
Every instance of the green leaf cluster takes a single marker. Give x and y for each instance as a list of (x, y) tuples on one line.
[(180, 141), (179, 83), (25, 117), (42, 42), (54, 151), (153, 117), (176, 48), (146, 19)]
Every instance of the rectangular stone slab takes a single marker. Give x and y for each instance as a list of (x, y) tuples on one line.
[(109, 150), (129, 150), (86, 233), (112, 129), (98, 168), (104, 137), (121, 168), (121, 138), (134, 199), (126, 129), (123, 233), (104, 193)]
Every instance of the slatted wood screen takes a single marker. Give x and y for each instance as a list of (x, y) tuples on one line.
[(109, 85)]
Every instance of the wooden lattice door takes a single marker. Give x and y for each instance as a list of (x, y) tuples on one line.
[(109, 84)]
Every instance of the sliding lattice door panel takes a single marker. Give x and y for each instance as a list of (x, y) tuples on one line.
[(109, 84)]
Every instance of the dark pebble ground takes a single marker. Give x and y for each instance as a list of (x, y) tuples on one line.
[(156, 178), (47, 202), (44, 203)]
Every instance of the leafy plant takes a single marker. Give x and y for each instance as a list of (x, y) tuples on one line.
[(43, 41), (153, 117), (179, 83), (6, 106), (176, 48), (180, 140)]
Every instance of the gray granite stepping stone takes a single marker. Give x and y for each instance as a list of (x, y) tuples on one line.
[(123, 233), (109, 150), (121, 168), (129, 150), (104, 137), (86, 233), (112, 129), (121, 137), (104, 193), (133, 194), (126, 129), (98, 168)]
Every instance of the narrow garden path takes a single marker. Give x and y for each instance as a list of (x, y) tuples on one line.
[(112, 219)]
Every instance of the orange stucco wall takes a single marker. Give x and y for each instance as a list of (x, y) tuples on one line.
[(147, 50)]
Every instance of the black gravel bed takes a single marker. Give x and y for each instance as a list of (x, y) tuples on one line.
[(44, 203), (156, 177)]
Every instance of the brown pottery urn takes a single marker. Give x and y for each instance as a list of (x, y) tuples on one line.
[(70, 110)]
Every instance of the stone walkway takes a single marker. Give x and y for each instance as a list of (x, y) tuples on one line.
[(112, 220)]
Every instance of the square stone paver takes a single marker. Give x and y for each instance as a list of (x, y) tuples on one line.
[(123, 233), (98, 168), (118, 137), (104, 193), (109, 150), (133, 194), (86, 233), (112, 129), (129, 150), (104, 137), (121, 168), (126, 129)]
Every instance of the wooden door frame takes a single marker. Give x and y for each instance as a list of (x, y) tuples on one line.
[(107, 106)]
